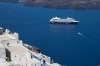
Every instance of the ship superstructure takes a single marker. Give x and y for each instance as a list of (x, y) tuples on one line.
[(63, 20), (13, 52)]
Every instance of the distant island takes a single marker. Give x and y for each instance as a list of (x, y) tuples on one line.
[(65, 4)]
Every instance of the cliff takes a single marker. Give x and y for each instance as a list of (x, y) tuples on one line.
[(8, 0), (67, 4)]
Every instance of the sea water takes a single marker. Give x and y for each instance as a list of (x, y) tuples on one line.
[(71, 45)]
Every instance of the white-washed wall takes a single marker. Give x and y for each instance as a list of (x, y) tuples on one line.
[(12, 41), (2, 52), (16, 36)]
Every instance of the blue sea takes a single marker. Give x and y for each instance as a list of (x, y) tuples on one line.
[(59, 41)]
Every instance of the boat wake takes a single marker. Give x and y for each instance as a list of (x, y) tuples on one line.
[(88, 38), (84, 36), (79, 33)]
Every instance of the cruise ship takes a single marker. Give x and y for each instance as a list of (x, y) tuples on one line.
[(13, 52), (63, 20)]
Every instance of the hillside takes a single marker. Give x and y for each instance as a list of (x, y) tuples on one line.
[(67, 4)]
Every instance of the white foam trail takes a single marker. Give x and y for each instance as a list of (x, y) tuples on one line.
[(86, 37), (79, 33)]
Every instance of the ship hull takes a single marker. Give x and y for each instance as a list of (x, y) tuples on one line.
[(63, 22)]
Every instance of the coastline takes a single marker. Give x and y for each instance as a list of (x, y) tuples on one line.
[(74, 5)]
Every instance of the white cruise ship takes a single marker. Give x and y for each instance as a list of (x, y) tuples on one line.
[(63, 20)]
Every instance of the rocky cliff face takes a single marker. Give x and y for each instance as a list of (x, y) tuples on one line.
[(8, 0), (68, 4)]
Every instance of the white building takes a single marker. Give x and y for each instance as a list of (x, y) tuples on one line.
[(12, 48), (8, 39), (20, 54), (2, 51)]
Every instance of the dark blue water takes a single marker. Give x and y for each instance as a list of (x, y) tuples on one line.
[(61, 42)]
